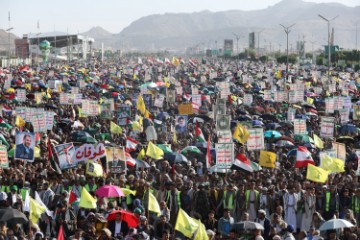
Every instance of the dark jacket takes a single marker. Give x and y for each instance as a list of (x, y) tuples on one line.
[(124, 228), (267, 226), (21, 153)]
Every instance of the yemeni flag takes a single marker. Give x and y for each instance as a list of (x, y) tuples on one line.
[(6, 109), (51, 159), (242, 163), (303, 157), (187, 97), (198, 133), (131, 144), (129, 160), (208, 154), (193, 62), (195, 106)]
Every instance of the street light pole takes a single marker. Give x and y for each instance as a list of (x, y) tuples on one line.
[(258, 48), (237, 43), (329, 44), (287, 31)]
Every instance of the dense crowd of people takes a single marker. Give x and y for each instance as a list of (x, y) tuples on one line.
[(265, 203)]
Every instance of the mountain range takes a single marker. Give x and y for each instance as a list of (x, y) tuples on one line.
[(205, 29)]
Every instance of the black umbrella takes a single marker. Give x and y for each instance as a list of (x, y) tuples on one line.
[(347, 129), (51, 105), (175, 157), (83, 137), (244, 118), (13, 216), (270, 117), (272, 126)]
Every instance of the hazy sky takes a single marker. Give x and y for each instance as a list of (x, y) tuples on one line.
[(113, 15)]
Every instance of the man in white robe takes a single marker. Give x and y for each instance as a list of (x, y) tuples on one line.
[(290, 205)]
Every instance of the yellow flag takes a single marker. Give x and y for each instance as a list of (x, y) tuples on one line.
[(127, 191), (114, 128), (59, 88), (185, 224), (267, 159), (81, 115), (19, 121), (146, 114), (141, 154), (153, 204), (241, 134), (318, 142), (94, 169), (167, 83), (201, 232), (175, 61), (86, 200), (140, 105), (332, 164), (310, 100), (316, 174), (35, 211), (174, 137), (154, 151)]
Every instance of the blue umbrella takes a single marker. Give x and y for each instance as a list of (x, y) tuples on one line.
[(257, 123), (272, 134), (292, 152)]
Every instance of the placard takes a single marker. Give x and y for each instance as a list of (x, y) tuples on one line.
[(344, 114), (185, 108), (340, 150), (64, 98), (300, 126), (148, 101), (89, 152), (196, 98), (224, 155), (267, 95), (279, 96), (327, 127), (49, 120), (116, 159), (256, 139), (219, 109), (248, 99), (25, 144), (223, 122), (159, 100), (329, 105), (21, 95), (224, 136), (4, 161), (357, 152), (64, 153), (21, 112), (39, 122), (291, 114)]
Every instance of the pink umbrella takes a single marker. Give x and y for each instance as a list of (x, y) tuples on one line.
[(109, 191)]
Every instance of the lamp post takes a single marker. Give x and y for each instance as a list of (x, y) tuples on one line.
[(258, 47), (8, 30), (287, 31), (329, 43)]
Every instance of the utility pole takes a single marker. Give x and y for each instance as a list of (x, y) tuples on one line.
[(258, 47), (287, 31), (329, 44)]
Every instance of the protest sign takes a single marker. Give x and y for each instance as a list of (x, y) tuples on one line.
[(224, 155), (256, 139), (327, 127), (64, 154), (185, 108), (25, 144)]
